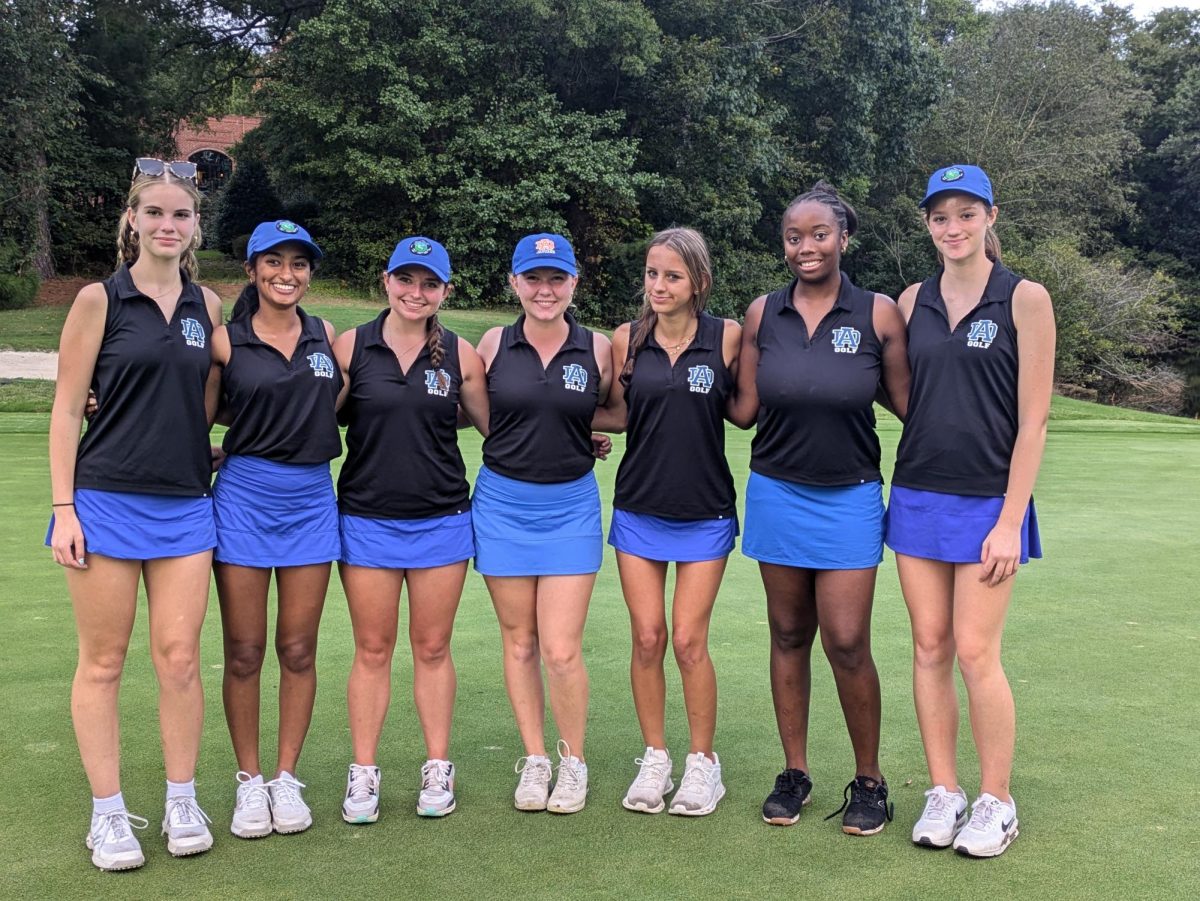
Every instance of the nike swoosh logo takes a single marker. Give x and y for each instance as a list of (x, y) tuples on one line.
[(1008, 825)]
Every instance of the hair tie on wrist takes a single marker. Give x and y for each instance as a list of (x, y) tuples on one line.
[(64, 504)]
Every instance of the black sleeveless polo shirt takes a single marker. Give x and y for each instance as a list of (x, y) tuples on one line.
[(150, 431), (281, 409), (674, 464), (541, 418), (816, 423), (402, 458), (962, 406)]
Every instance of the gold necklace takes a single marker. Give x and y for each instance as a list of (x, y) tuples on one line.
[(156, 297), (675, 348), (400, 354)]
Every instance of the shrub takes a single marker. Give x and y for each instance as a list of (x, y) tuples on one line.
[(16, 290)]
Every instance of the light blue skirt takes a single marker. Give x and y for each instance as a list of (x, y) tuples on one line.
[(672, 540), (130, 526), (811, 526), (536, 529), (275, 514), (951, 527), (407, 543)]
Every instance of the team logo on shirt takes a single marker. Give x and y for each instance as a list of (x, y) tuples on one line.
[(700, 379), (322, 366), (982, 334), (193, 332), (846, 340), (437, 382), (574, 377)]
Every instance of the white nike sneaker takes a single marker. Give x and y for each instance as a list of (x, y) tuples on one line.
[(362, 795), (571, 787), (437, 789), (186, 827), (653, 781), (289, 813), (112, 842), (533, 789), (701, 787), (252, 810), (991, 829), (944, 815)]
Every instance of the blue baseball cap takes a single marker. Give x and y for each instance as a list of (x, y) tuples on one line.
[(272, 234), (544, 250), (968, 179), (421, 251)]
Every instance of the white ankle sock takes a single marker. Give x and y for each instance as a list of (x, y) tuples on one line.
[(108, 805), (181, 789)]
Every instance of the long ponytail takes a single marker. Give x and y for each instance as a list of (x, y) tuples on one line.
[(434, 333), (246, 304)]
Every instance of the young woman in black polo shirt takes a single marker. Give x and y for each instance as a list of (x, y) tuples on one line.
[(536, 510), (131, 500), (674, 502), (814, 357), (275, 511), (405, 514), (960, 516)]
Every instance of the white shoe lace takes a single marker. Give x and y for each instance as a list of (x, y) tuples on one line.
[(117, 823), (652, 772), (184, 811), (251, 796), (938, 806), (435, 774), (983, 811), (364, 784), (287, 791), (694, 778), (570, 769), (533, 770)]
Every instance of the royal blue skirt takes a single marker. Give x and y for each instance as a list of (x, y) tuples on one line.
[(407, 543), (536, 529), (131, 526), (672, 540), (813, 527), (275, 514), (951, 527)]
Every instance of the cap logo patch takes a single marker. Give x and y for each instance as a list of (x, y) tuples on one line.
[(543, 245), (421, 248), (953, 174), (288, 228)]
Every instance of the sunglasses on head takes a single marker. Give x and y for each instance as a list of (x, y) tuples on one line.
[(150, 167)]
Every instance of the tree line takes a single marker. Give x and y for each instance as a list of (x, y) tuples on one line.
[(477, 122)]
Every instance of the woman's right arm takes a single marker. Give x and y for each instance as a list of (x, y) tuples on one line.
[(742, 406), (78, 349), (611, 417)]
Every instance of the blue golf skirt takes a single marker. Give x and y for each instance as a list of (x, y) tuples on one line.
[(275, 514), (536, 529), (407, 543), (951, 527), (131, 526), (672, 540), (811, 526)]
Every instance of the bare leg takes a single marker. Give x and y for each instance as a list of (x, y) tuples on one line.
[(696, 586), (515, 599), (792, 615), (562, 604), (242, 593), (433, 596), (373, 596), (301, 600), (643, 582)]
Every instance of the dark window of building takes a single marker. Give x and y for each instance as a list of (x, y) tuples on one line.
[(212, 170)]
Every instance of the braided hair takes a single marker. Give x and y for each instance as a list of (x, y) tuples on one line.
[(128, 242), (826, 194)]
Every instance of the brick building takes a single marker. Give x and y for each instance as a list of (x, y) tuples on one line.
[(208, 147)]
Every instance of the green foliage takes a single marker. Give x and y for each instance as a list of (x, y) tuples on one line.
[(18, 288), (247, 199)]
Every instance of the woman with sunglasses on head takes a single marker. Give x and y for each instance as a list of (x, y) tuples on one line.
[(275, 511), (960, 517), (815, 355), (674, 501), (131, 499), (405, 514), (536, 510)]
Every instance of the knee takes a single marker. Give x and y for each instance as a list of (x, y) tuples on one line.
[(849, 655), (431, 650), (297, 656), (561, 661), (102, 669), (978, 660), (243, 659), (522, 649), (934, 653), (374, 652), (650, 646), (178, 664), (690, 650), (792, 639)]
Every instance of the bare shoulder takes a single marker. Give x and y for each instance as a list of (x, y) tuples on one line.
[(1031, 297), (344, 343), (601, 342), (491, 339), (731, 333), (466, 350), (212, 302), (91, 298), (330, 332), (908, 299)]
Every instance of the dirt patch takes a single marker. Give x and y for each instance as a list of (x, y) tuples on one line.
[(59, 292)]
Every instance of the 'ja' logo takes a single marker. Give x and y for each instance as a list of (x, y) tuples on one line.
[(193, 332), (574, 377), (437, 382), (982, 334), (700, 379), (846, 340), (322, 366)]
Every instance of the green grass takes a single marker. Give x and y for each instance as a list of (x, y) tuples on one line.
[(1101, 649)]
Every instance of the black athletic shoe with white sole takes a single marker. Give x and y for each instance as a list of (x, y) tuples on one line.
[(866, 806), (791, 793)]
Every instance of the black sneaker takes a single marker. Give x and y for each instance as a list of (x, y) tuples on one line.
[(866, 804), (782, 807)]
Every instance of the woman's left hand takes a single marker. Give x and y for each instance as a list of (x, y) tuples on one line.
[(601, 446), (218, 456), (1001, 555)]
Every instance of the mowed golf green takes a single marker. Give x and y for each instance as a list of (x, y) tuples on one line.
[(1101, 648)]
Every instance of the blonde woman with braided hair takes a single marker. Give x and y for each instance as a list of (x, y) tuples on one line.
[(674, 502), (131, 500), (405, 514)]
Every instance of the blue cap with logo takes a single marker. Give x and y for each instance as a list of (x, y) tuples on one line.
[(968, 179), (272, 234), (544, 251), (421, 251)]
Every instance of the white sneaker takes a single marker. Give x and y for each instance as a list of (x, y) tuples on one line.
[(700, 788), (991, 829), (944, 815), (289, 813), (185, 826), (533, 789), (437, 789), (252, 810), (653, 781), (362, 794), (571, 787), (112, 842)]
